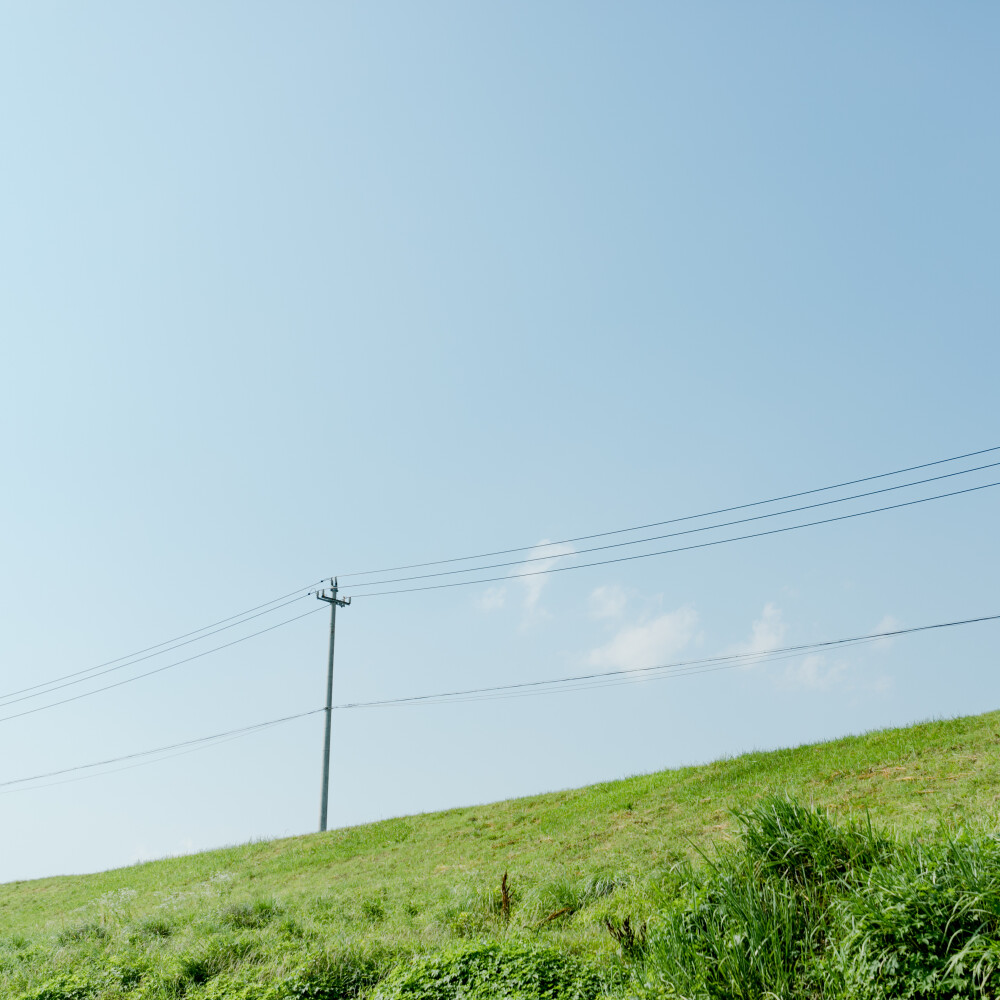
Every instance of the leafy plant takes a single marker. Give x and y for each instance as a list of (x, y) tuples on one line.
[(88, 931), (64, 987), (801, 844), (220, 954), (254, 913), (492, 972)]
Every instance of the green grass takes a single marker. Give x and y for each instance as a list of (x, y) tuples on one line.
[(354, 912)]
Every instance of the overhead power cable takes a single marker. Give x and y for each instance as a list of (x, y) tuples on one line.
[(284, 600), (673, 534), (124, 767), (678, 668), (92, 672), (170, 644), (158, 670), (201, 740), (681, 548), (526, 688), (674, 520)]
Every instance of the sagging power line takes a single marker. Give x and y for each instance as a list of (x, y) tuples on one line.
[(678, 668), (82, 676), (158, 670), (678, 534), (524, 689), (673, 520), (234, 621), (682, 548), (681, 668), (164, 749)]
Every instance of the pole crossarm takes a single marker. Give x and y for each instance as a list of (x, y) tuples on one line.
[(331, 597)]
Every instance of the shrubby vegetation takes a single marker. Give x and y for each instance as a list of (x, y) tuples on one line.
[(494, 972), (780, 899), (806, 908)]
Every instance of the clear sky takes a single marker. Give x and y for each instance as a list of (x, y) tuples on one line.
[(296, 289)]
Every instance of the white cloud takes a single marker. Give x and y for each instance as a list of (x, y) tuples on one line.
[(813, 673), (766, 634), (887, 624), (492, 599), (649, 643), (817, 673), (534, 584), (607, 602)]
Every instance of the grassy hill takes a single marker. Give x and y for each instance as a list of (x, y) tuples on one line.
[(329, 915)]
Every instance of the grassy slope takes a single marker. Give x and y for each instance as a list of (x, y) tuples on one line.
[(407, 881)]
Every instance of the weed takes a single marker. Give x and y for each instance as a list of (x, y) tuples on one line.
[(804, 907), (472, 912), (253, 913), (155, 928), (89, 931), (492, 972), (64, 987), (797, 900), (631, 940), (339, 974), (564, 897), (802, 844), (373, 909), (220, 954)]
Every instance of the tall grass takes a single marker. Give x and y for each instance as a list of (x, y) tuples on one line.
[(622, 880), (803, 907), (799, 906)]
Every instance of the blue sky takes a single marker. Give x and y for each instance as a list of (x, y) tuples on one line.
[(296, 290)]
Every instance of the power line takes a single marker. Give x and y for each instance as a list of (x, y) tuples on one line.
[(173, 746), (587, 682), (677, 668), (158, 670), (682, 548), (223, 624), (174, 643), (675, 520), (655, 674), (682, 667), (127, 767), (92, 672), (525, 688), (677, 534)]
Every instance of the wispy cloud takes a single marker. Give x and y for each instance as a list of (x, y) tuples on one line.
[(534, 584), (819, 673), (766, 633), (648, 643), (887, 624), (812, 673), (816, 672), (492, 599), (607, 602)]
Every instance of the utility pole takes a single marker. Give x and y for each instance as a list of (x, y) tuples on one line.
[(333, 600)]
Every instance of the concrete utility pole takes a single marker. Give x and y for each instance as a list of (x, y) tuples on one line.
[(333, 600)]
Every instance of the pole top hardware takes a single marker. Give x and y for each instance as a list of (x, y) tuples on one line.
[(331, 596)]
